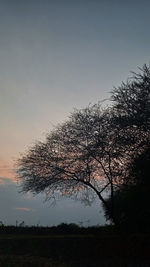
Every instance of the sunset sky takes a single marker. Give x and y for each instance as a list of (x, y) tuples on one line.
[(56, 55)]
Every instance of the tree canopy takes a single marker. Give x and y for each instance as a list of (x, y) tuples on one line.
[(132, 116), (78, 157), (94, 149)]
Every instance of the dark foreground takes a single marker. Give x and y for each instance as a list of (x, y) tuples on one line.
[(67, 246)]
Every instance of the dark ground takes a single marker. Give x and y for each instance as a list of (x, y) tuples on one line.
[(71, 246)]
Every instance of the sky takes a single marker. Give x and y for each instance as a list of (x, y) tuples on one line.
[(55, 56)]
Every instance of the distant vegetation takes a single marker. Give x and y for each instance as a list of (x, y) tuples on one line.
[(100, 149), (61, 229)]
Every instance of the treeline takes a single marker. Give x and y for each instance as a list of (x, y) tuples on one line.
[(61, 229)]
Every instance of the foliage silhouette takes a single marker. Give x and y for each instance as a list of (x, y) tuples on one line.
[(78, 157), (132, 116), (96, 150)]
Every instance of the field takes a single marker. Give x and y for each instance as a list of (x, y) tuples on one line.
[(70, 246)]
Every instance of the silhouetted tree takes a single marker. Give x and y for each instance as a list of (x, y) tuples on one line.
[(131, 108), (78, 157), (131, 100), (92, 151), (131, 200), (131, 111)]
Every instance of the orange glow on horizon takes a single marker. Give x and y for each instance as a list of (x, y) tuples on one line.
[(7, 171), (24, 209)]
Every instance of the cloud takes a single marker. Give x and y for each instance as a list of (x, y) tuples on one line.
[(6, 181), (28, 195), (2, 181), (7, 170), (23, 208)]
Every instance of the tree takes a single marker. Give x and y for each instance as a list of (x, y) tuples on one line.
[(131, 108), (77, 158), (139, 169), (131, 200), (131, 100), (131, 114), (93, 150)]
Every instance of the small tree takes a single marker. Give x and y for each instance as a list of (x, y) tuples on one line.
[(78, 157)]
